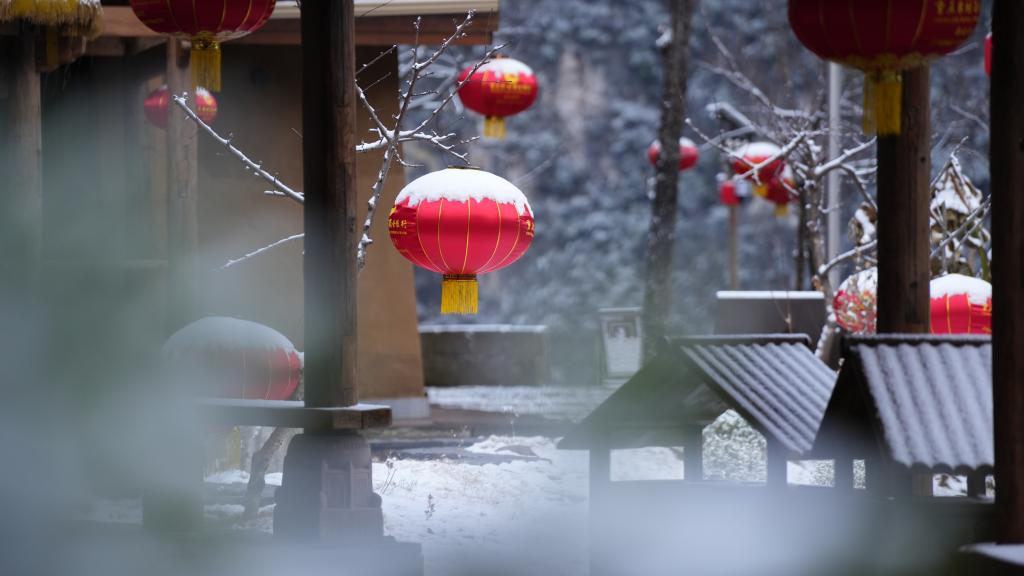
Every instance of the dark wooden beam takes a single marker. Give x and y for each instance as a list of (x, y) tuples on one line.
[(121, 22), (904, 267), (328, 152), (1006, 155), (292, 414)]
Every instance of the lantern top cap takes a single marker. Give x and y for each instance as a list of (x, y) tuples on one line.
[(226, 333), (977, 290), (505, 65), (459, 184)]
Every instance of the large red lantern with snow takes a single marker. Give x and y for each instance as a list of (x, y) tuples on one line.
[(883, 38), (854, 304), (498, 89), (206, 24), (760, 163), (688, 153), (232, 358), (961, 305), (461, 222), (159, 100)]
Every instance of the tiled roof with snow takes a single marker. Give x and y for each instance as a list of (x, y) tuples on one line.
[(774, 381), (924, 401)]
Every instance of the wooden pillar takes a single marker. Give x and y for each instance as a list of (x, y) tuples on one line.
[(182, 194), (734, 271), (777, 464), (904, 179), (328, 151), (600, 480), (1006, 154), (976, 485), (693, 454), (22, 225)]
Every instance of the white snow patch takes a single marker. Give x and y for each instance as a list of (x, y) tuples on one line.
[(503, 65), (978, 291), (225, 332), (461, 185)]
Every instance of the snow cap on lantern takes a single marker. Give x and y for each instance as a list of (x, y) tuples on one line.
[(882, 38), (960, 305), (461, 222), (688, 153), (206, 25), (499, 88), (158, 101), (854, 302), (753, 154), (234, 358)]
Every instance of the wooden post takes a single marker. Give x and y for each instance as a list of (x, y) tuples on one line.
[(662, 234), (693, 454), (182, 194), (976, 485), (22, 232), (328, 151), (600, 480), (904, 267), (1006, 154), (734, 273)]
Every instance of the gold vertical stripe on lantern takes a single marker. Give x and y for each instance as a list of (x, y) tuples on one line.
[(459, 294), (205, 63), (882, 94)]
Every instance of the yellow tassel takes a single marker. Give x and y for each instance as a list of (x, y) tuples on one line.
[(459, 294), (494, 127), (781, 210), (761, 190), (882, 94), (205, 64)]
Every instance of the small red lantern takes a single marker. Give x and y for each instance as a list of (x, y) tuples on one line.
[(206, 24), (232, 358), (988, 54), (688, 153), (159, 100), (961, 305), (753, 154), (461, 222), (883, 38), (499, 88), (727, 192), (779, 191), (854, 302)]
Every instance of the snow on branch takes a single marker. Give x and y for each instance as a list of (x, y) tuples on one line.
[(256, 167), (259, 251)]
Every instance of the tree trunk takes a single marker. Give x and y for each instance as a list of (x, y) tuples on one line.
[(661, 238), (1007, 160)]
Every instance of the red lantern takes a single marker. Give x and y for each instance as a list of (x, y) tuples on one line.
[(988, 54), (206, 24), (854, 302), (754, 154), (779, 191), (157, 102), (961, 305), (883, 38), (499, 88), (461, 222), (688, 153), (727, 192), (232, 358)]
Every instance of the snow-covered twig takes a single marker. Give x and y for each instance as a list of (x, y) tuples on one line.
[(259, 251), (856, 252), (255, 167)]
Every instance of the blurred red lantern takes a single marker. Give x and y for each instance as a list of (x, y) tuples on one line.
[(854, 302), (961, 305), (779, 191), (727, 192), (461, 222), (159, 100), (883, 38), (688, 153), (206, 24), (988, 54), (499, 88), (232, 358), (754, 154)]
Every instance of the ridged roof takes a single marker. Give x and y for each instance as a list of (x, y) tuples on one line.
[(924, 401), (774, 381)]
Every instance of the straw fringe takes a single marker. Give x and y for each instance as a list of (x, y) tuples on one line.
[(73, 17)]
